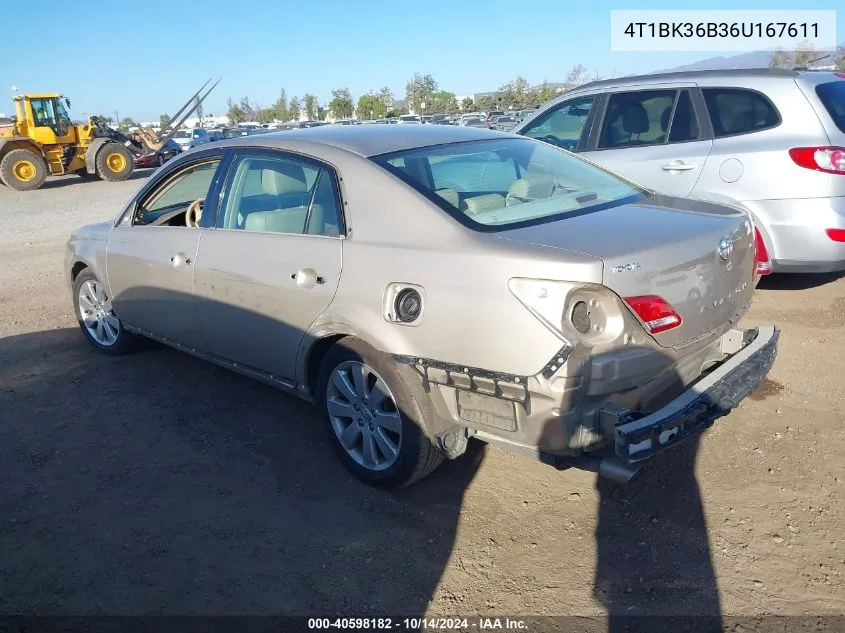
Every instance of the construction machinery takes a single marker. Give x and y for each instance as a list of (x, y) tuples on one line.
[(41, 140)]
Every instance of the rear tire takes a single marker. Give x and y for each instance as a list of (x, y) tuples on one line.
[(384, 414), (114, 162), (96, 318), (23, 170)]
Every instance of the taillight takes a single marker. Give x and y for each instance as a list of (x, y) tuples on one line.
[(657, 313), (762, 263), (837, 235), (830, 160)]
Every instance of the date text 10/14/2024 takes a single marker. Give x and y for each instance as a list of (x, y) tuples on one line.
[(418, 624)]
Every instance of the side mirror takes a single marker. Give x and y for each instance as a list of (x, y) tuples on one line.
[(67, 102)]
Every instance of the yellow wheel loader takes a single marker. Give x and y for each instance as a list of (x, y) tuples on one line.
[(41, 140)]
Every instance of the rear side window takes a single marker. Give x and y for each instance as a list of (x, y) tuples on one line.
[(832, 96), (739, 111)]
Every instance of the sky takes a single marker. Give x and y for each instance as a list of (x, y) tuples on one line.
[(144, 59)]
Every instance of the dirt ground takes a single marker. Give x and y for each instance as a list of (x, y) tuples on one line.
[(157, 484)]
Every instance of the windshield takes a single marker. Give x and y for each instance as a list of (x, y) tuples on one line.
[(182, 134), (499, 184), (832, 95)]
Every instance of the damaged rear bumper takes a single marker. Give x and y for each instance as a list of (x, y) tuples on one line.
[(706, 400)]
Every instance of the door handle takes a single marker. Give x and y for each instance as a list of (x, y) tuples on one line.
[(677, 166), (180, 258), (307, 278)]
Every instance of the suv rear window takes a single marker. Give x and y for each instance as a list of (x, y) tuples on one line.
[(738, 111), (832, 96)]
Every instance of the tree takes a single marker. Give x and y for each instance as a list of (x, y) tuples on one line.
[(250, 111), (802, 56), (516, 94), (466, 104), (281, 106), (545, 93), (266, 115), (341, 104), (310, 102), (294, 109), (577, 76), (418, 90), (370, 107), (164, 121), (127, 122), (385, 95), (442, 102), (235, 112)]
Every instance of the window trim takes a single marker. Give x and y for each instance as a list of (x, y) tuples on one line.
[(380, 160), (760, 94), (239, 152)]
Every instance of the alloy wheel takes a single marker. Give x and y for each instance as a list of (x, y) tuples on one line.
[(95, 311), (364, 415)]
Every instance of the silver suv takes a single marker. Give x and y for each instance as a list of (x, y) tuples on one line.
[(769, 140)]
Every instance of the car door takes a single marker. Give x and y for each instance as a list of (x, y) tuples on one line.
[(151, 253), (273, 262), (654, 137), (565, 125)]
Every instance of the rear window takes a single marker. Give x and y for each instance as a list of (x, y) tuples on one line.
[(501, 184), (739, 111), (832, 96)]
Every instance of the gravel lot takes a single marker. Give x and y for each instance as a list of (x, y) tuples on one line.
[(157, 484)]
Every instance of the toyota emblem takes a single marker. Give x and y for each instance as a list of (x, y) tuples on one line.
[(726, 248)]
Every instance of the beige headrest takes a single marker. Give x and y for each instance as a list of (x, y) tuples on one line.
[(527, 189), (451, 196), (480, 204), (281, 178)]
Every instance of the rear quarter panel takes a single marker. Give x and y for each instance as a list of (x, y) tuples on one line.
[(470, 317), (757, 166)]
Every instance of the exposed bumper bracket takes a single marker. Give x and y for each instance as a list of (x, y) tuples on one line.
[(701, 404)]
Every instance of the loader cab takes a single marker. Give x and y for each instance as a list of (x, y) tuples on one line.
[(44, 118)]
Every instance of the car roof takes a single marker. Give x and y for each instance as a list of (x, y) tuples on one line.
[(371, 140), (730, 74)]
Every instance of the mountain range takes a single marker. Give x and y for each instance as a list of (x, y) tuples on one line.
[(755, 59)]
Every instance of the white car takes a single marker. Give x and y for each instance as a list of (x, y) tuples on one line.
[(409, 118), (188, 138)]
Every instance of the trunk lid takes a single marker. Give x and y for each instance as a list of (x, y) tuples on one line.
[(667, 247)]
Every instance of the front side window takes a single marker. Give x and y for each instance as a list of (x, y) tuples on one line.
[(280, 195), (501, 184), (43, 112), (168, 203), (562, 126), (832, 96), (739, 111)]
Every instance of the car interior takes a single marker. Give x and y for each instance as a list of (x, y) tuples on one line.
[(269, 195)]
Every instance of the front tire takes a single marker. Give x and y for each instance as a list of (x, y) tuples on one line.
[(375, 424), (114, 162), (23, 170), (97, 319)]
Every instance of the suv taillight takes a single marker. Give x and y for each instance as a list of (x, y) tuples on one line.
[(830, 160), (657, 313), (762, 263)]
